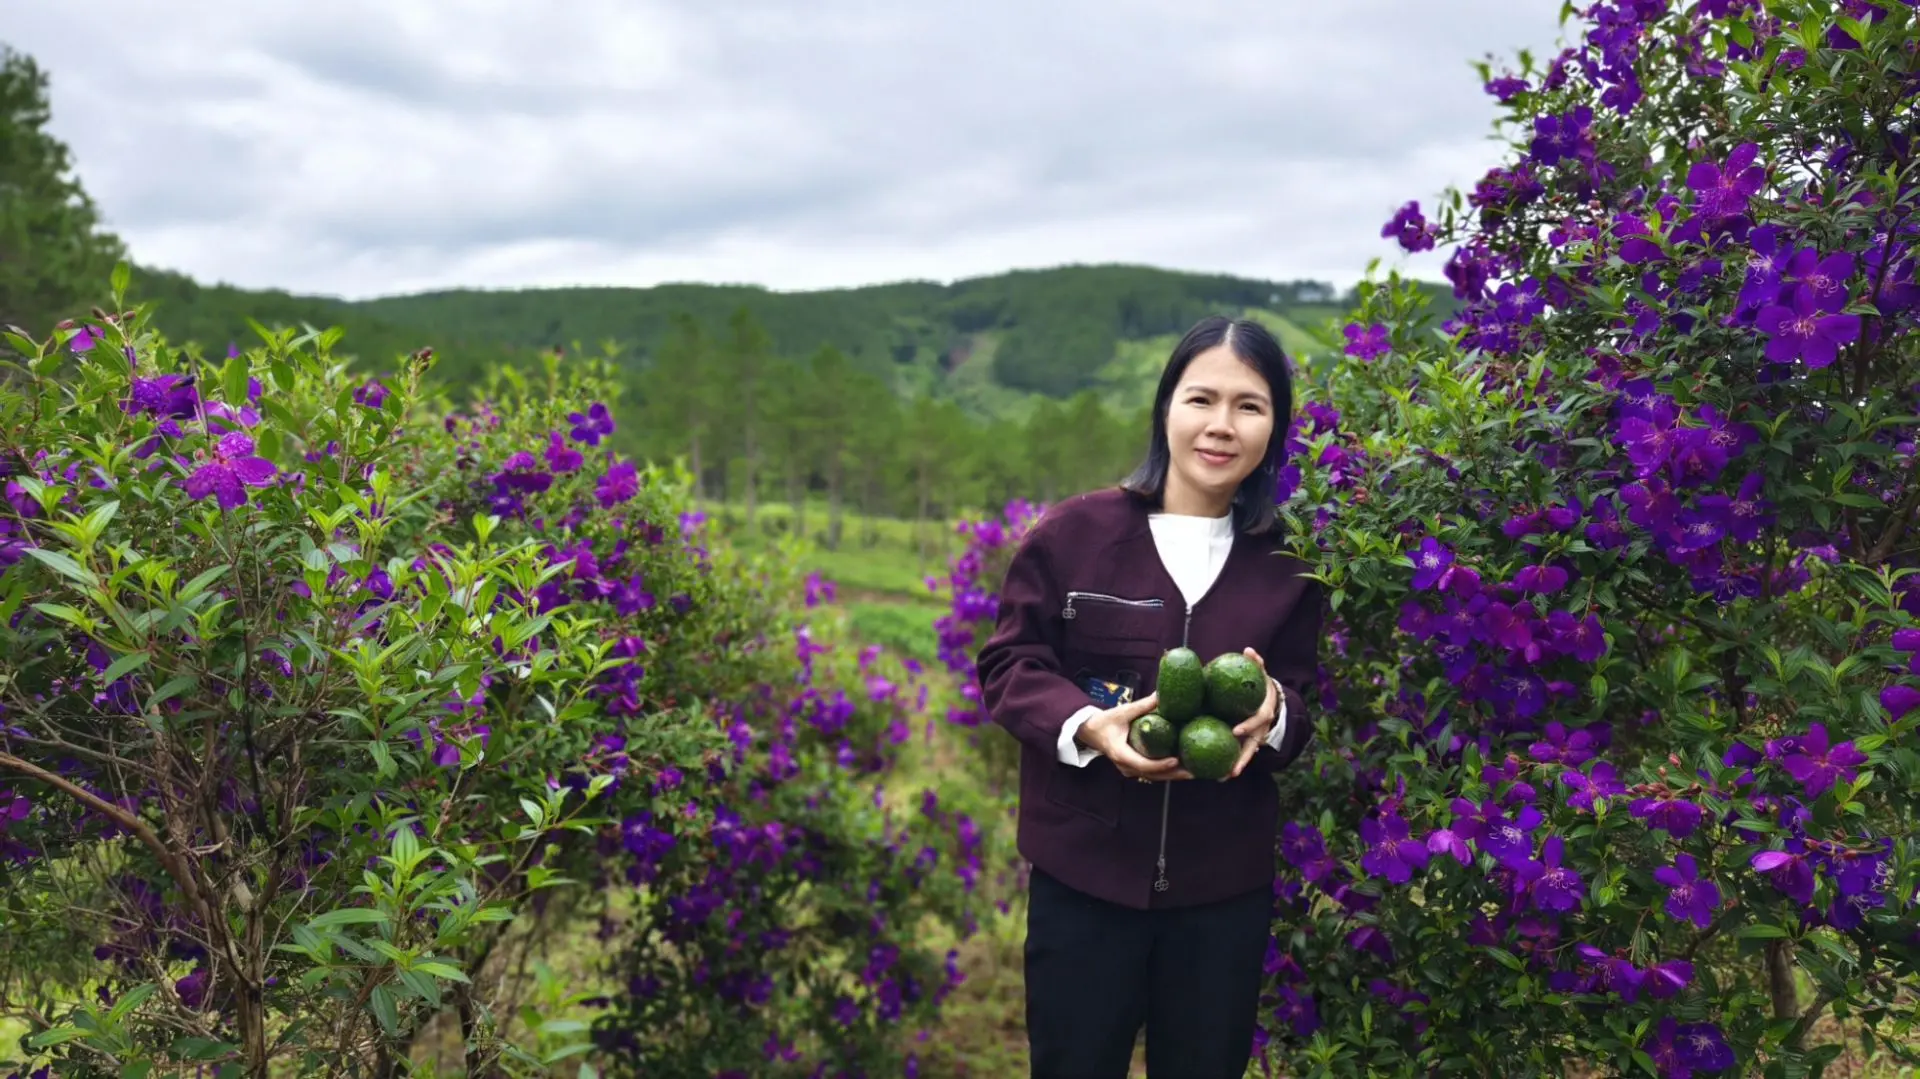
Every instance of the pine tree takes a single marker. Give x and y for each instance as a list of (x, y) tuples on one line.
[(53, 252)]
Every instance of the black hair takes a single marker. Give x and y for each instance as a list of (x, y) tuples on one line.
[(1252, 344)]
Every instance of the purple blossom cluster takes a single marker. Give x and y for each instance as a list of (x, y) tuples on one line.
[(1491, 639)]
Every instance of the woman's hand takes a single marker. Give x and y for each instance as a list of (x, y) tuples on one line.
[(1253, 730), (1106, 734)]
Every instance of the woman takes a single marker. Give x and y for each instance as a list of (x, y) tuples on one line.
[(1152, 891)]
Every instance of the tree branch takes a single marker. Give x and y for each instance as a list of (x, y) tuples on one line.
[(169, 860), (1786, 996), (1808, 1017)]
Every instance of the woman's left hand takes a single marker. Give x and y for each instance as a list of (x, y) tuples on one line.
[(1253, 730)]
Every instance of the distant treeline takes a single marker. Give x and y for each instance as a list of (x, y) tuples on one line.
[(753, 426), (1054, 329)]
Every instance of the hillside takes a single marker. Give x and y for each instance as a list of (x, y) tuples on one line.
[(991, 344)]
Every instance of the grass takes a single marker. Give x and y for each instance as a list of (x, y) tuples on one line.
[(879, 559)]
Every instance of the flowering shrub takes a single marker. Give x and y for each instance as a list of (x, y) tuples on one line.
[(325, 708), (1616, 737)]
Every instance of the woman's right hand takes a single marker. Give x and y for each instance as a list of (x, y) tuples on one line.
[(1106, 734)]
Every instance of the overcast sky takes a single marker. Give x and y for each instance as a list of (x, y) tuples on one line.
[(365, 148)]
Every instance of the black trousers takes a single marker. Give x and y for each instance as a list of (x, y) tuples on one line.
[(1097, 971)]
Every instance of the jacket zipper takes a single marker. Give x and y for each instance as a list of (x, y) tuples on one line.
[(1166, 789), (1069, 613)]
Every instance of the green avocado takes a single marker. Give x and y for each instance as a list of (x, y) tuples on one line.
[(1153, 737), (1182, 686), (1236, 687), (1208, 748)]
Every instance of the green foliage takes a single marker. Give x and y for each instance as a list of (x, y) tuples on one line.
[(53, 252), (327, 710)]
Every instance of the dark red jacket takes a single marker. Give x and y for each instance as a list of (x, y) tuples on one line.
[(1090, 827)]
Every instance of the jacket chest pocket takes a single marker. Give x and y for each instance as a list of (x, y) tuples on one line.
[(1102, 629)]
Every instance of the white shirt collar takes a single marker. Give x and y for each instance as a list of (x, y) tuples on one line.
[(1211, 527)]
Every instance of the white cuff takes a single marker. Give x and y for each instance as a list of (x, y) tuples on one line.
[(1279, 730), (1070, 751)]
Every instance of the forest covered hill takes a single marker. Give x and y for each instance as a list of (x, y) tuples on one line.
[(990, 344)]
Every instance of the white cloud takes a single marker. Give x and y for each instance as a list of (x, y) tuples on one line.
[(367, 148)]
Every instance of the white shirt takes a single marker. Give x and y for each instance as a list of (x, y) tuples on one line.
[(1193, 549)]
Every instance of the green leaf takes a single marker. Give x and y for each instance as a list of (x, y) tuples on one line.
[(201, 581), (382, 759), (347, 916), (406, 846), (120, 667), (16, 593), (440, 970), (385, 1010), (55, 1036), (70, 615), (130, 1000), (122, 273), (422, 986), (175, 686), (234, 385), (95, 523), (64, 565)]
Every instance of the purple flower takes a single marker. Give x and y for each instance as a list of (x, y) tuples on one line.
[(1790, 871), (1701, 1047), (1804, 332), (1571, 748), (621, 483), (1506, 87), (1410, 228), (629, 598), (1298, 1010), (589, 428), (193, 988), (371, 395), (1597, 786), (1689, 899), (1563, 138), (1552, 886), (1503, 837), (231, 470), (1899, 699), (1540, 579), (1723, 190), (1824, 279), (1390, 853), (1367, 343), (1817, 766), (1668, 978), (561, 458), (1451, 843), (1668, 813), (165, 396), (1305, 849), (1430, 560)]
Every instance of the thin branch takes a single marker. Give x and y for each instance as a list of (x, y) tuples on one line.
[(1808, 1017), (169, 860)]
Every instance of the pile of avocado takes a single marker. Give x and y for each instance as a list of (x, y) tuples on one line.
[(1199, 707)]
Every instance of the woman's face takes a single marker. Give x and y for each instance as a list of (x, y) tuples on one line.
[(1218, 424)]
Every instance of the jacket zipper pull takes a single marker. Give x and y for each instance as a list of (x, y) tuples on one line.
[(1166, 789), (1067, 612), (1160, 878)]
